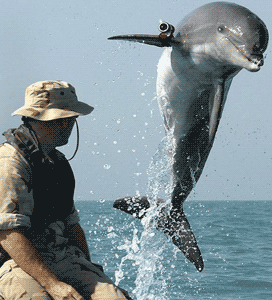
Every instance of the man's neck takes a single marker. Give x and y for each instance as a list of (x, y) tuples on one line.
[(46, 148), (45, 142)]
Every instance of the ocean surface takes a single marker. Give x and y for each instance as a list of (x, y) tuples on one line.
[(235, 239)]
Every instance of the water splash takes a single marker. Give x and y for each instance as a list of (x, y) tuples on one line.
[(148, 250)]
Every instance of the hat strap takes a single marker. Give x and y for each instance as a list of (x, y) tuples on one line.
[(77, 142)]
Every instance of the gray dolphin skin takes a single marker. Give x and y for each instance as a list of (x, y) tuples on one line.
[(202, 56)]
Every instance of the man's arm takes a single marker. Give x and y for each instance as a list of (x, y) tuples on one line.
[(25, 255), (77, 238)]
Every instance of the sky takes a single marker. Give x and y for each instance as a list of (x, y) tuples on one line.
[(67, 40)]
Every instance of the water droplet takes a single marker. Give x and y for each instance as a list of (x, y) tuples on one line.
[(110, 229)]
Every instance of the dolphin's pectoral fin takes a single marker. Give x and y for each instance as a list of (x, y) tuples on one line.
[(135, 206), (216, 105), (178, 228)]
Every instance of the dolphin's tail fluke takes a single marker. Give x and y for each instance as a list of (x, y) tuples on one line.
[(135, 206), (178, 228), (174, 225)]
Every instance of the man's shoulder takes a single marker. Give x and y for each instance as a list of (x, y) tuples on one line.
[(8, 152), (12, 162)]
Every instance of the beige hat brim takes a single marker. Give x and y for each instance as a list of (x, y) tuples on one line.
[(51, 113)]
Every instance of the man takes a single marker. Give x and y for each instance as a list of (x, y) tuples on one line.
[(44, 254)]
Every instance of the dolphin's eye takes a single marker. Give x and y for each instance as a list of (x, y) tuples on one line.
[(256, 48), (221, 28)]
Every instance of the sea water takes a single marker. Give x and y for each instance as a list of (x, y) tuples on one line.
[(234, 237)]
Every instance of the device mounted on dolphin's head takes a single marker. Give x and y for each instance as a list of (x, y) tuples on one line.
[(166, 36), (164, 39)]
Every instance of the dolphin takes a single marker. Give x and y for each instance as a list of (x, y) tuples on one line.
[(208, 48)]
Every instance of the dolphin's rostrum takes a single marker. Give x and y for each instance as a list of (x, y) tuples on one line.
[(202, 56)]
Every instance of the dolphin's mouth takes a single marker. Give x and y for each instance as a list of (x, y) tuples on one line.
[(256, 61), (254, 57)]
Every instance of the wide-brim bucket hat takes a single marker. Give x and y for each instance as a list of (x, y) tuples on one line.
[(52, 99)]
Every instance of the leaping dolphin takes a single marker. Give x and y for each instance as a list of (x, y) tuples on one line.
[(210, 46)]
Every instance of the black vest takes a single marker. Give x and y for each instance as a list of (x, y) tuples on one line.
[(52, 182)]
